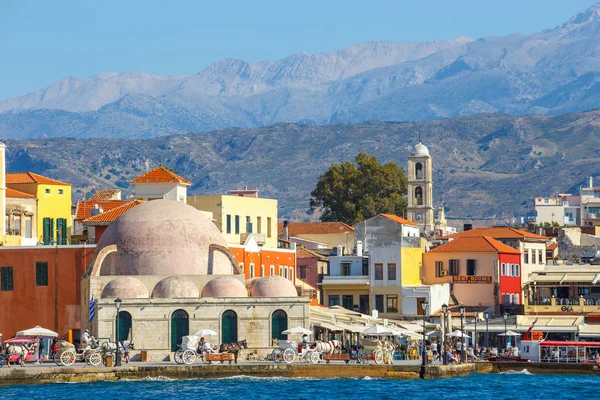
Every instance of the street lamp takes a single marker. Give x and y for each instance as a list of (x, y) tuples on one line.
[(475, 341), (487, 330), (461, 309), (505, 337), (445, 311), (118, 350), (424, 305)]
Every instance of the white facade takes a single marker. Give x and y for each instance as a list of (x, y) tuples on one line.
[(154, 191), (385, 256), (563, 209), (590, 204), (533, 258), (436, 296)]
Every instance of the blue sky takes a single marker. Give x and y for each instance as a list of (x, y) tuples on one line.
[(43, 41)]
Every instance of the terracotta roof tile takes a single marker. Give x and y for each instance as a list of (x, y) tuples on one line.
[(160, 174), (84, 208), (30, 177), (302, 252), (551, 247), (315, 228), (109, 216), (18, 195), (475, 245), (105, 195), (399, 219), (499, 232)]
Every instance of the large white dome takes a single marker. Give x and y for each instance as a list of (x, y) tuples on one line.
[(421, 150)]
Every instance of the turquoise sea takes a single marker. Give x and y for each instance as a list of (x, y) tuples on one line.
[(477, 386)]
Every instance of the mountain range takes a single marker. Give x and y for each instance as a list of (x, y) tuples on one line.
[(485, 166), (546, 73)]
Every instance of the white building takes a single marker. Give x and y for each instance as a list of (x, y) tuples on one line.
[(563, 209), (590, 204), (161, 183)]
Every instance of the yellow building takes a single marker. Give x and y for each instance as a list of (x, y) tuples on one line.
[(53, 204), (241, 213)]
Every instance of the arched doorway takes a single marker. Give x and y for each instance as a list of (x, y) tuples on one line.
[(180, 327), (229, 327), (419, 171), (124, 326), (279, 323), (419, 196)]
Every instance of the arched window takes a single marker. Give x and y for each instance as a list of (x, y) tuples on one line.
[(419, 196), (279, 323), (124, 325), (180, 327), (419, 171), (229, 327)]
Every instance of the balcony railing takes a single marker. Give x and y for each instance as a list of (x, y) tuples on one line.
[(346, 280)]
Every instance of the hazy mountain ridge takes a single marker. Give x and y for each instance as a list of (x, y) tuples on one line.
[(484, 165)]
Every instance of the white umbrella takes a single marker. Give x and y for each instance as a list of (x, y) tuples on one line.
[(457, 334), (298, 330), (434, 333), (205, 332), (509, 333), (378, 330), (37, 331)]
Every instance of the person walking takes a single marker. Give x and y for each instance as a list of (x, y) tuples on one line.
[(434, 350), (40, 349)]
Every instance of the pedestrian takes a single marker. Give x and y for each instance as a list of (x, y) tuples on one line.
[(434, 350), (40, 350)]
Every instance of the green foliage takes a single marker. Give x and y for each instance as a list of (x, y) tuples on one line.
[(349, 192)]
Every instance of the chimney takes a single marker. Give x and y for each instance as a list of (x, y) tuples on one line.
[(467, 227), (591, 179), (359, 249), (339, 251), (96, 210), (286, 233)]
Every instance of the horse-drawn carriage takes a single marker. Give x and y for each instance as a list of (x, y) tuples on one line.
[(67, 355), (17, 350), (288, 351), (380, 351), (190, 349)]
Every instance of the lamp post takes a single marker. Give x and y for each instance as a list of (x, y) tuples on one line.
[(505, 337), (424, 305), (118, 350), (462, 332), (443, 349), (475, 341), (487, 330)]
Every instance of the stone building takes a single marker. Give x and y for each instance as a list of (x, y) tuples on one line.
[(172, 269), (420, 188)]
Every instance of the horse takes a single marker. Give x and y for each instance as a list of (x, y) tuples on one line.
[(329, 347), (124, 347), (21, 350), (233, 348)]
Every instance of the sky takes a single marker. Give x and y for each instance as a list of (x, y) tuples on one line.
[(44, 41)]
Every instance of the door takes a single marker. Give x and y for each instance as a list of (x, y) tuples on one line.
[(124, 326), (364, 304), (59, 231), (229, 327), (279, 323), (180, 327)]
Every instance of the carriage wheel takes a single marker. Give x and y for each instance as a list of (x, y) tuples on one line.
[(94, 359), (277, 355), (57, 358), (67, 358), (361, 356), (289, 355), (315, 357), (188, 357), (378, 356), (177, 357)]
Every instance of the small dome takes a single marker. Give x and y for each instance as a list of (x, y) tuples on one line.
[(125, 287), (273, 286), (224, 286), (175, 287), (421, 150)]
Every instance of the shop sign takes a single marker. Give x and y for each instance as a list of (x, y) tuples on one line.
[(472, 279)]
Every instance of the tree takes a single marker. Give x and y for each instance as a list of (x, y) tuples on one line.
[(350, 193)]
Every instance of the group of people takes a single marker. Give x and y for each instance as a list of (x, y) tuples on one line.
[(434, 351)]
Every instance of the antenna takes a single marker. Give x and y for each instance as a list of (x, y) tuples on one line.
[(419, 134)]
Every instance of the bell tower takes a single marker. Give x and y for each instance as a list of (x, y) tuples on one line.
[(420, 188)]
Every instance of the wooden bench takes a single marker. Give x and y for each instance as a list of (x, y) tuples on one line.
[(336, 357), (216, 357)]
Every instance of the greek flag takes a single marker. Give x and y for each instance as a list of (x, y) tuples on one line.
[(92, 309)]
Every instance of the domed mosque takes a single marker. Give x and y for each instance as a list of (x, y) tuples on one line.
[(174, 274)]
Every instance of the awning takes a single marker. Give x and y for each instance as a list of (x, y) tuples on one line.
[(549, 278), (587, 278), (327, 326), (411, 326), (588, 330), (352, 328)]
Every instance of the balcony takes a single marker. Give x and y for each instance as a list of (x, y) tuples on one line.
[(351, 280), (591, 216), (563, 305)]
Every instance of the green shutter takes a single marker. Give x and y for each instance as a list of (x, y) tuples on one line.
[(279, 324), (124, 325), (229, 327), (180, 327), (59, 225), (41, 274), (47, 231), (6, 279)]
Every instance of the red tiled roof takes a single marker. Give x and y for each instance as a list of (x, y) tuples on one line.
[(109, 216), (499, 232), (17, 194), (475, 245), (30, 177), (105, 195), (551, 247), (315, 228), (160, 174), (398, 219), (84, 207), (302, 252)]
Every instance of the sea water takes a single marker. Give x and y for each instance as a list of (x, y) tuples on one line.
[(508, 385)]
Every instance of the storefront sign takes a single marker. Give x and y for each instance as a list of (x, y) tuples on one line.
[(472, 279)]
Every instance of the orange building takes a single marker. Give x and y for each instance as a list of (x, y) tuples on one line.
[(100, 222), (41, 286), (259, 261)]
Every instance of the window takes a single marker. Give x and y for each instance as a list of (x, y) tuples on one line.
[(503, 269), (471, 268), (365, 266), (418, 217), (439, 268), (379, 302), (248, 225), (272, 270), (348, 301), (419, 171), (540, 257), (41, 273), (268, 227), (251, 270), (517, 270), (47, 191), (526, 257), (258, 225), (28, 231), (346, 269), (60, 191), (378, 272), (392, 303), (280, 268), (418, 196), (285, 272), (48, 234), (17, 225), (454, 267), (262, 270), (62, 235), (292, 274), (237, 224), (391, 271), (334, 300), (517, 299), (228, 223), (6, 279)]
